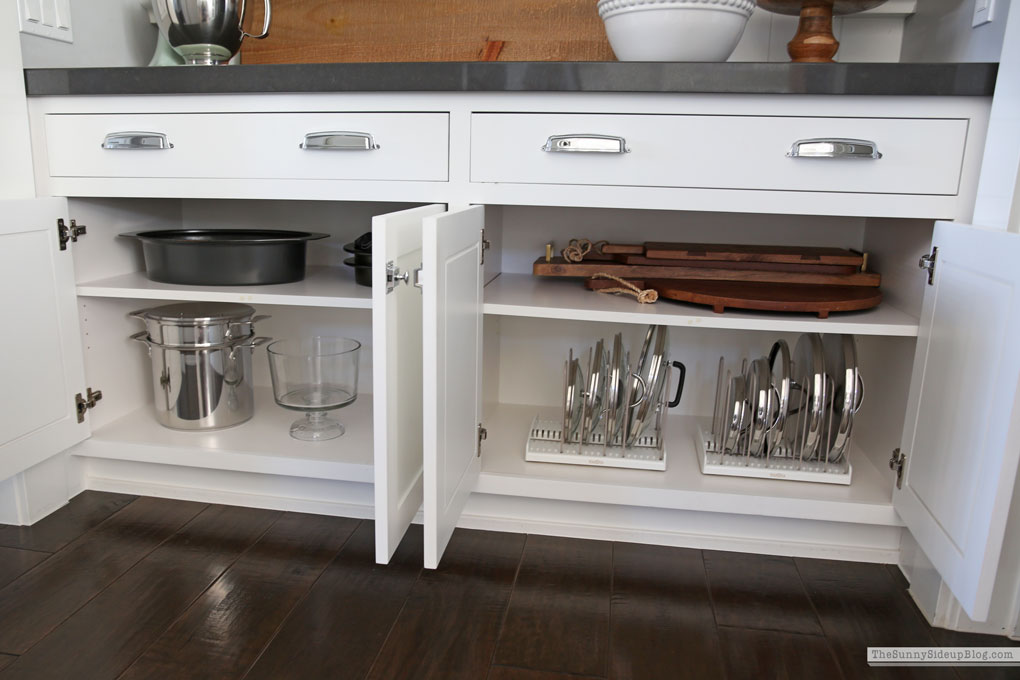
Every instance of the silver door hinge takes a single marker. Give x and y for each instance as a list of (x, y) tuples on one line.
[(69, 233), (394, 276), (486, 245), (896, 464), (83, 404), (483, 434), (927, 262)]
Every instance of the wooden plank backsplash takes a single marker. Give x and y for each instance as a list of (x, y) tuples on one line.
[(323, 31)]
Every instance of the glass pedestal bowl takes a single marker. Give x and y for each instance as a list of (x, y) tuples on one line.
[(314, 376)]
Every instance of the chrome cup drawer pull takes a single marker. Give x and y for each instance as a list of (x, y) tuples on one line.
[(586, 144), (136, 141), (339, 141), (834, 148)]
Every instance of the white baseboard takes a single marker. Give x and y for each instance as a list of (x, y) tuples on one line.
[(292, 494)]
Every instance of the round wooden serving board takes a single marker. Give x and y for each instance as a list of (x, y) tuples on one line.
[(773, 297)]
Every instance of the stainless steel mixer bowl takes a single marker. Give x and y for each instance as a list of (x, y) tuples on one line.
[(205, 31)]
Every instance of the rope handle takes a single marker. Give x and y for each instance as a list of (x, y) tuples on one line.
[(645, 297), (579, 247)]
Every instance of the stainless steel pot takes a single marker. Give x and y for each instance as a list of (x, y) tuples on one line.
[(204, 385), (205, 31), (192, 325)]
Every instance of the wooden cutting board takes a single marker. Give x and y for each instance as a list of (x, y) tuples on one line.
[(744, 253), (557, 266), (755, 266), (772, 297)]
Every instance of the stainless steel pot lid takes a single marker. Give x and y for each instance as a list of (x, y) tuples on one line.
[(762, 404), (841, 367), (573, 399), (781, 368), (652, 373), (197, 313), (616, 389), (803, 427), (597, 373)]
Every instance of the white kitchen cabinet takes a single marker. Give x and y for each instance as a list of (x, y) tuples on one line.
[(479, 348), (44, 369), (379, 146)]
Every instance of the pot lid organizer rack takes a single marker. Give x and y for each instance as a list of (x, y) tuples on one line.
[(786, 416), (616, 416)]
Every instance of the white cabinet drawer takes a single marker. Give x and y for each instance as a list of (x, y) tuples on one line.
[(919, 156), (411, 146)]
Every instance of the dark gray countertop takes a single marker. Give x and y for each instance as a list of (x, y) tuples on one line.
[(736, 78)]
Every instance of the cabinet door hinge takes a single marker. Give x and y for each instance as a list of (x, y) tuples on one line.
[(927, 262), (81, 405), (896, 463), (483, 434), (394, 276), (486, 245), (69, 233)]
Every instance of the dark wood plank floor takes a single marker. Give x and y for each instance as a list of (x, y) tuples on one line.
[(114, 586)]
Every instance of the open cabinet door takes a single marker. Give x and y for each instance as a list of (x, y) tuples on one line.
[(397, 375), (452, 279), (961, 435), (42, 363)]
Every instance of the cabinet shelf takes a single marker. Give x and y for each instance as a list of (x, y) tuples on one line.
[(261, 445), (321, 287), (533, 296), (868, 500)]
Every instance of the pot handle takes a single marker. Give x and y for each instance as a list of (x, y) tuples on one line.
[(252, 343), (679, 385), (141, 336), (140, 313), (265, 24), (260, 317)]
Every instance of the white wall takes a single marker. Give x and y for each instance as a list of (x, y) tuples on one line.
[(106, 33), (940, 31), (117, 33)]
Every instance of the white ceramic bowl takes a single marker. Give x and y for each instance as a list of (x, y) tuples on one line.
[(674, 30)]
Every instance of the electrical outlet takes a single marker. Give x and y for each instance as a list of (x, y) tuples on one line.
[(984, 12), (46, 18)]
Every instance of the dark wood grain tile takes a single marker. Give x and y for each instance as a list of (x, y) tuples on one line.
[(662, 621), (339, 627), (37, 602), (511, 673), (860, 605), (759, 591), (6, 660), (14, 562), (450, 623), (754, 654), (558, 618), (225, 630), (53, 532), (952, 638), (102, 638)]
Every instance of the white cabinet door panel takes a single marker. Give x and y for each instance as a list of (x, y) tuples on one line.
[(962, 431), (42, 367), (452, 338), (397, 377)]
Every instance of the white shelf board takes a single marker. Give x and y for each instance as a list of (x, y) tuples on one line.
[(868, 500), (321, 287), (261, 445), (553, 298)]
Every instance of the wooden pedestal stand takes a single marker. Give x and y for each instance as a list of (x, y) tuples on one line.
[(814, 41)]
